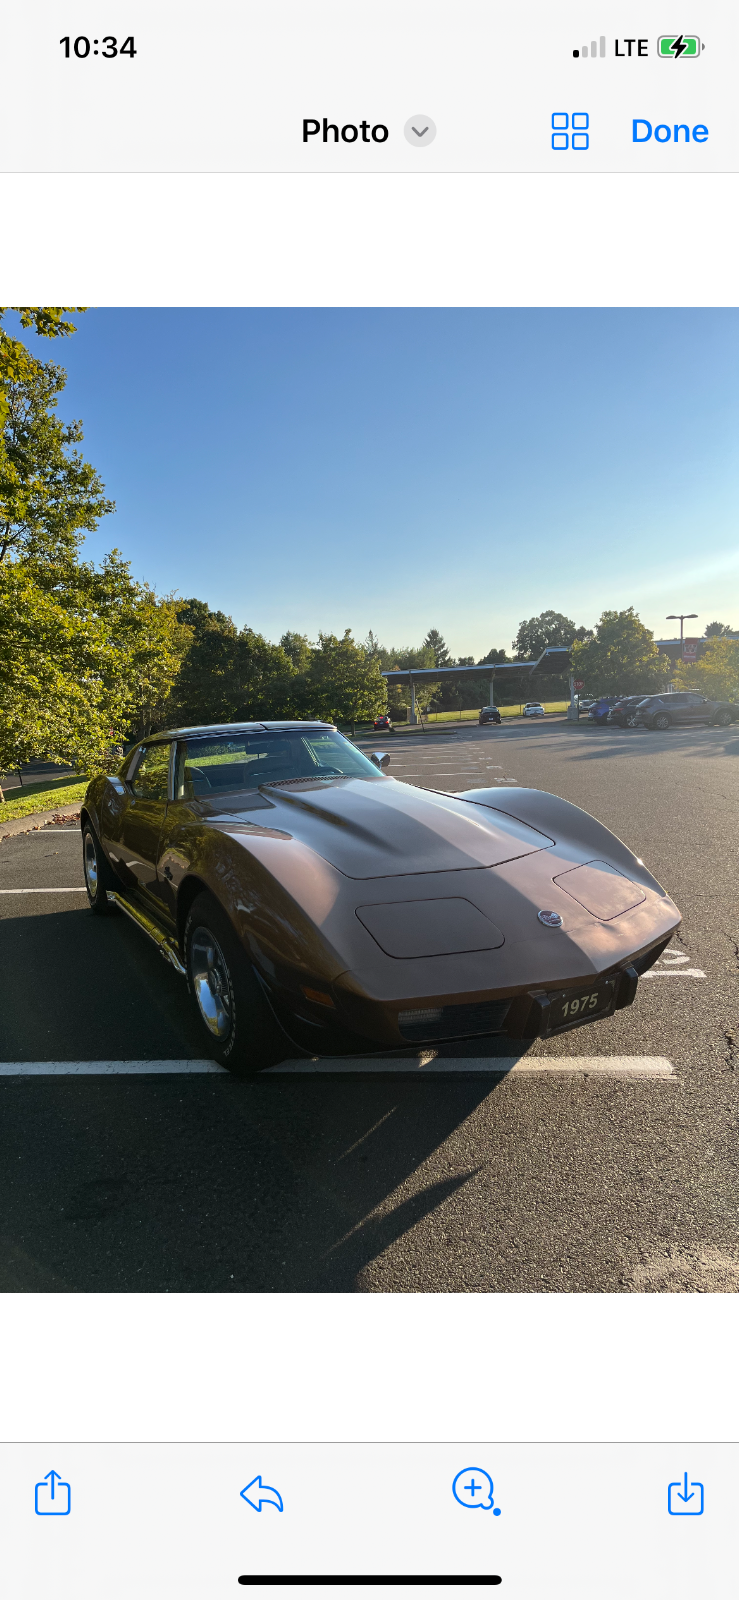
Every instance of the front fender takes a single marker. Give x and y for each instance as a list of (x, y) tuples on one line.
[(566, 823)]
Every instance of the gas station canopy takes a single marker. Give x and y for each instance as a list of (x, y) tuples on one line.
[(555, 659)]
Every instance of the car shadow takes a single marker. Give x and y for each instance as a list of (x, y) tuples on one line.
[(708, 743), (202, 1184)]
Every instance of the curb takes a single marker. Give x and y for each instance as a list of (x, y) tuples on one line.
[(39, 819)]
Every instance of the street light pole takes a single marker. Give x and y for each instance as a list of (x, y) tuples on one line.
[(681, 617)]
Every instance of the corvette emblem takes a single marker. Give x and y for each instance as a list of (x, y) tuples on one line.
[(551, 919)]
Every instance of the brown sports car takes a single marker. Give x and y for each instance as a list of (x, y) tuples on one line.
[(315, 905)]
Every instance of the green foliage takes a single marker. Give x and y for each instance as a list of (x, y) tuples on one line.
[(716, 674), (88, 654), (47, 321), (342, 684), (536, 635), (227, 675), (718, 630), (437, 645), (297, 648), (621, 658), (48, 493), (264, 679)]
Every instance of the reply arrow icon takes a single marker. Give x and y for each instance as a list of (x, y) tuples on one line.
[(258, 1494)]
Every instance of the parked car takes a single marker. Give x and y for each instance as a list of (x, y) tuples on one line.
[(488, 714), (623, 711), (586, 703), (534, 708), (383, 722), (317, 906), (599, 710), (662, 711)]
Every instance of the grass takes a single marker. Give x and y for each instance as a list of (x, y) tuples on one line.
[(505, 711), (45, 796)]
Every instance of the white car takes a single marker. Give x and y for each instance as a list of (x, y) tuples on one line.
[(534, 708)]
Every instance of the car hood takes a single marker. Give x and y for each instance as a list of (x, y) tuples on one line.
[(385, 829)]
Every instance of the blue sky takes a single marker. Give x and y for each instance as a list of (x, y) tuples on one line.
[(400, 470)]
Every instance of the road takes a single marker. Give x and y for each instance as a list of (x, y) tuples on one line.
[(557, 1180)]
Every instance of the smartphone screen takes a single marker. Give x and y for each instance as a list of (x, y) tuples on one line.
[(368, 944)]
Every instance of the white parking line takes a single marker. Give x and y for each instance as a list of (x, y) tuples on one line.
[(598, 1066), (673, 972), (446, 1066), (95, 1069), (77, 888)]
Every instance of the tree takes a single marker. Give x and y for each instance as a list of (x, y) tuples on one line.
[(536, 635), (437, 645), (48, 493), (264, 679), (48, 321), (622, 658), (342, 683), (718, 630), (297, 648), (716, 675), (87, 653), (203, 689), (227, 675)]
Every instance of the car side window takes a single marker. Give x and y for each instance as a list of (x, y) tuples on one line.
[(151, 778), (678, 700), (694, 700)]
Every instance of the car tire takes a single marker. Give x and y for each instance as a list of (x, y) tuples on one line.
[(722, 719), (234, 1017), (99, 875), (661, 722)]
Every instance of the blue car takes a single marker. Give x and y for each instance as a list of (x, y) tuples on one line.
[(599, 711)]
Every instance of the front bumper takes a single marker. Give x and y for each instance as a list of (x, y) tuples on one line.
[(524, 1016)]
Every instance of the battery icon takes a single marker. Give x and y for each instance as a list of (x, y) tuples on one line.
[(678, 46)]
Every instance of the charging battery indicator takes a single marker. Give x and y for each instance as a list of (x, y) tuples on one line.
[(679, 46)]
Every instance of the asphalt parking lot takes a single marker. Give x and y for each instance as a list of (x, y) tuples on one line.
[(617, 1176)]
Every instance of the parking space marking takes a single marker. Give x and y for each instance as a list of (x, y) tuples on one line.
[(453, 1066), (77, 888), (95, 1069), (673, 972), (444, 1066)]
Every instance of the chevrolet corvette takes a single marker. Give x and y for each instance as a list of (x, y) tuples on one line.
[(317, 906)]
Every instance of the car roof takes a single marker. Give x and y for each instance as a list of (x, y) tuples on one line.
[(214, 729)]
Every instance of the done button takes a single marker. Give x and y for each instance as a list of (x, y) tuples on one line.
[(642, 131)]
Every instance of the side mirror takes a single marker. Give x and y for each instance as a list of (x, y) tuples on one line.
[(380, 758), (116, 783)]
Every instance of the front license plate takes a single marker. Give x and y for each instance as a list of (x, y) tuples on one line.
[(595, 1001)]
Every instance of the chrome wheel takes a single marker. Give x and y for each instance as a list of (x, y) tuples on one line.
[(91, 866), (210, 981)]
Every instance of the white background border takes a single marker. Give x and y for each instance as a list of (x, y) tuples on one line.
[(370, 1367), (329, 240)]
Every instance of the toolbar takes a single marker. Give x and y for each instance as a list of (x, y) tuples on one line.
[(398, 85), (574, 1520)]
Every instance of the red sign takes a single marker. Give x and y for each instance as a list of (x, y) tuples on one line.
[(578, 684), (690, 649)]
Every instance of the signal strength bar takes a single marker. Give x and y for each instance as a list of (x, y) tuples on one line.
[(597, 48)]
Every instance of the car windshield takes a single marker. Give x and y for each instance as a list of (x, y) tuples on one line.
[(247, 760)]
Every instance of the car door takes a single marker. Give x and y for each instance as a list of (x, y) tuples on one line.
[(143, 819), (677, 707), (697, 708)]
